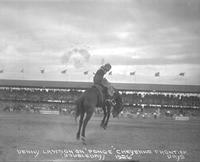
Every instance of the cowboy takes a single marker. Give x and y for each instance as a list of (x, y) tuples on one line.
[(103, 82)]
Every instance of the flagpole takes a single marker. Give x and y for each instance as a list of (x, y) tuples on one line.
[(22, 71), (42, 71), (132, 74), (23, 74), (182, 75), (1, 71), (135, 76)]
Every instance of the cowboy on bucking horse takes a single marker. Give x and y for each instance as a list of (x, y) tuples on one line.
[(100, 81), (103, 95)]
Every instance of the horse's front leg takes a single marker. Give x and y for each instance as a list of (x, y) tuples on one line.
[(108, 116), (104, 117)]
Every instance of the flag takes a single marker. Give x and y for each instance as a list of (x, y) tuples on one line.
[(64, 71), (1, 71), (182, 74), (42, 71), (132, 73), (157, 74), (22, 71), (86, 73), (110, 73)]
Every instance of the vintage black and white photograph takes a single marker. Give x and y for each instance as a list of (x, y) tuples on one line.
[(99, 80)]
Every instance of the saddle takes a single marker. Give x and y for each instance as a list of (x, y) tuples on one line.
[(104, 94)]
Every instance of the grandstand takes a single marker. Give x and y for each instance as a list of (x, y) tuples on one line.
[(29, 95)]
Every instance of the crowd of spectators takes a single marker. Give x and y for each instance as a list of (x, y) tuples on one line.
[(31, 99), (38, 94), (179, 100)]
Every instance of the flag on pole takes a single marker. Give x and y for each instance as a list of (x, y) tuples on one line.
[(64, 71), (85, 72), (157, 74), (110, 73), (182, 74), (1, 71), (132, 73), (42, 71)]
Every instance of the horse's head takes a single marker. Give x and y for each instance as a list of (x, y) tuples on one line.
[(117, 106)]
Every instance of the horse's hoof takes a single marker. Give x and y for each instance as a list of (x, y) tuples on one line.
[(83, 140), (105, 127)]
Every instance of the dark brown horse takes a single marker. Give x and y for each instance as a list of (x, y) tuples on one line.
[(86, 105)]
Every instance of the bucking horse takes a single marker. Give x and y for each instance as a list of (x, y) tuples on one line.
[(88, 101)]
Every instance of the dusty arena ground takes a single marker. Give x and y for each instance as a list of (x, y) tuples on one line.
[(35, 137)]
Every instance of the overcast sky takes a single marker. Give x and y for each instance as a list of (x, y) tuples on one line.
[(145, 36)]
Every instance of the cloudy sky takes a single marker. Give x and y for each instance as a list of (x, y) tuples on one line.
[(141, 36)]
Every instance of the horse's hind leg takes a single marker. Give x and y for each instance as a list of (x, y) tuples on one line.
[(80, 125), (87, 118)]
